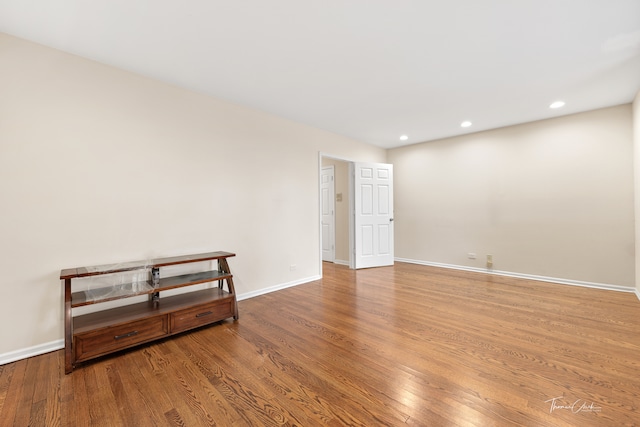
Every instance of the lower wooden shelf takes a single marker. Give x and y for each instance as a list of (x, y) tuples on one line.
[(103, 332)]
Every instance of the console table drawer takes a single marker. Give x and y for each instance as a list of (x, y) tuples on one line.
[(96, 343), (200, 315)]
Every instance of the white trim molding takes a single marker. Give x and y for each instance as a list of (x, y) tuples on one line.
[(637, 292), (277, 287), (526, 276), (36, 350)]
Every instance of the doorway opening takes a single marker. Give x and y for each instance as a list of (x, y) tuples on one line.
[(356, 225), (335, 228)]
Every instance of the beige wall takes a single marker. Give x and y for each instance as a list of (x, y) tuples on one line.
[(552, 198), (341, 179), (636, 144), (98, 165)]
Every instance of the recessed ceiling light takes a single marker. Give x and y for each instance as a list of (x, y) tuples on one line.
[(465, 124), (404, 138), (557, 104)]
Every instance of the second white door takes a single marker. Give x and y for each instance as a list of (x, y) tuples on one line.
[(327, 191)]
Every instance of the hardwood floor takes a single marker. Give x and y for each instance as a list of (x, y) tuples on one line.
[(404, 345)]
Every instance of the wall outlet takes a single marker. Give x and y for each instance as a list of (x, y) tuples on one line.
[(489, 261), (293, 267), (471, 255)]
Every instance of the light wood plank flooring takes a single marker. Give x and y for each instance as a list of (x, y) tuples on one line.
[(403, 345)]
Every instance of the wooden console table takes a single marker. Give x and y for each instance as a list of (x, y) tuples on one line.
[(106, 331)]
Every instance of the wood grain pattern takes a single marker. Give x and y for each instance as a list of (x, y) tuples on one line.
[(393, 346)]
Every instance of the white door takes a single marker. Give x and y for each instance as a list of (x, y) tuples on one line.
[(372, 214), (327, 189)]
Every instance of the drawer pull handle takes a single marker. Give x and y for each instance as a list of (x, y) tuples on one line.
[(130, 334), (206, 313)]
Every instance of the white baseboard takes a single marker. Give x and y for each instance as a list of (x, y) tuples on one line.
[(526, 276), (338, 261), (248, 295), (25, 353), (637, 292)]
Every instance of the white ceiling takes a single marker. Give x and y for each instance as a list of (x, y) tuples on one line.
[(371, 70)]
